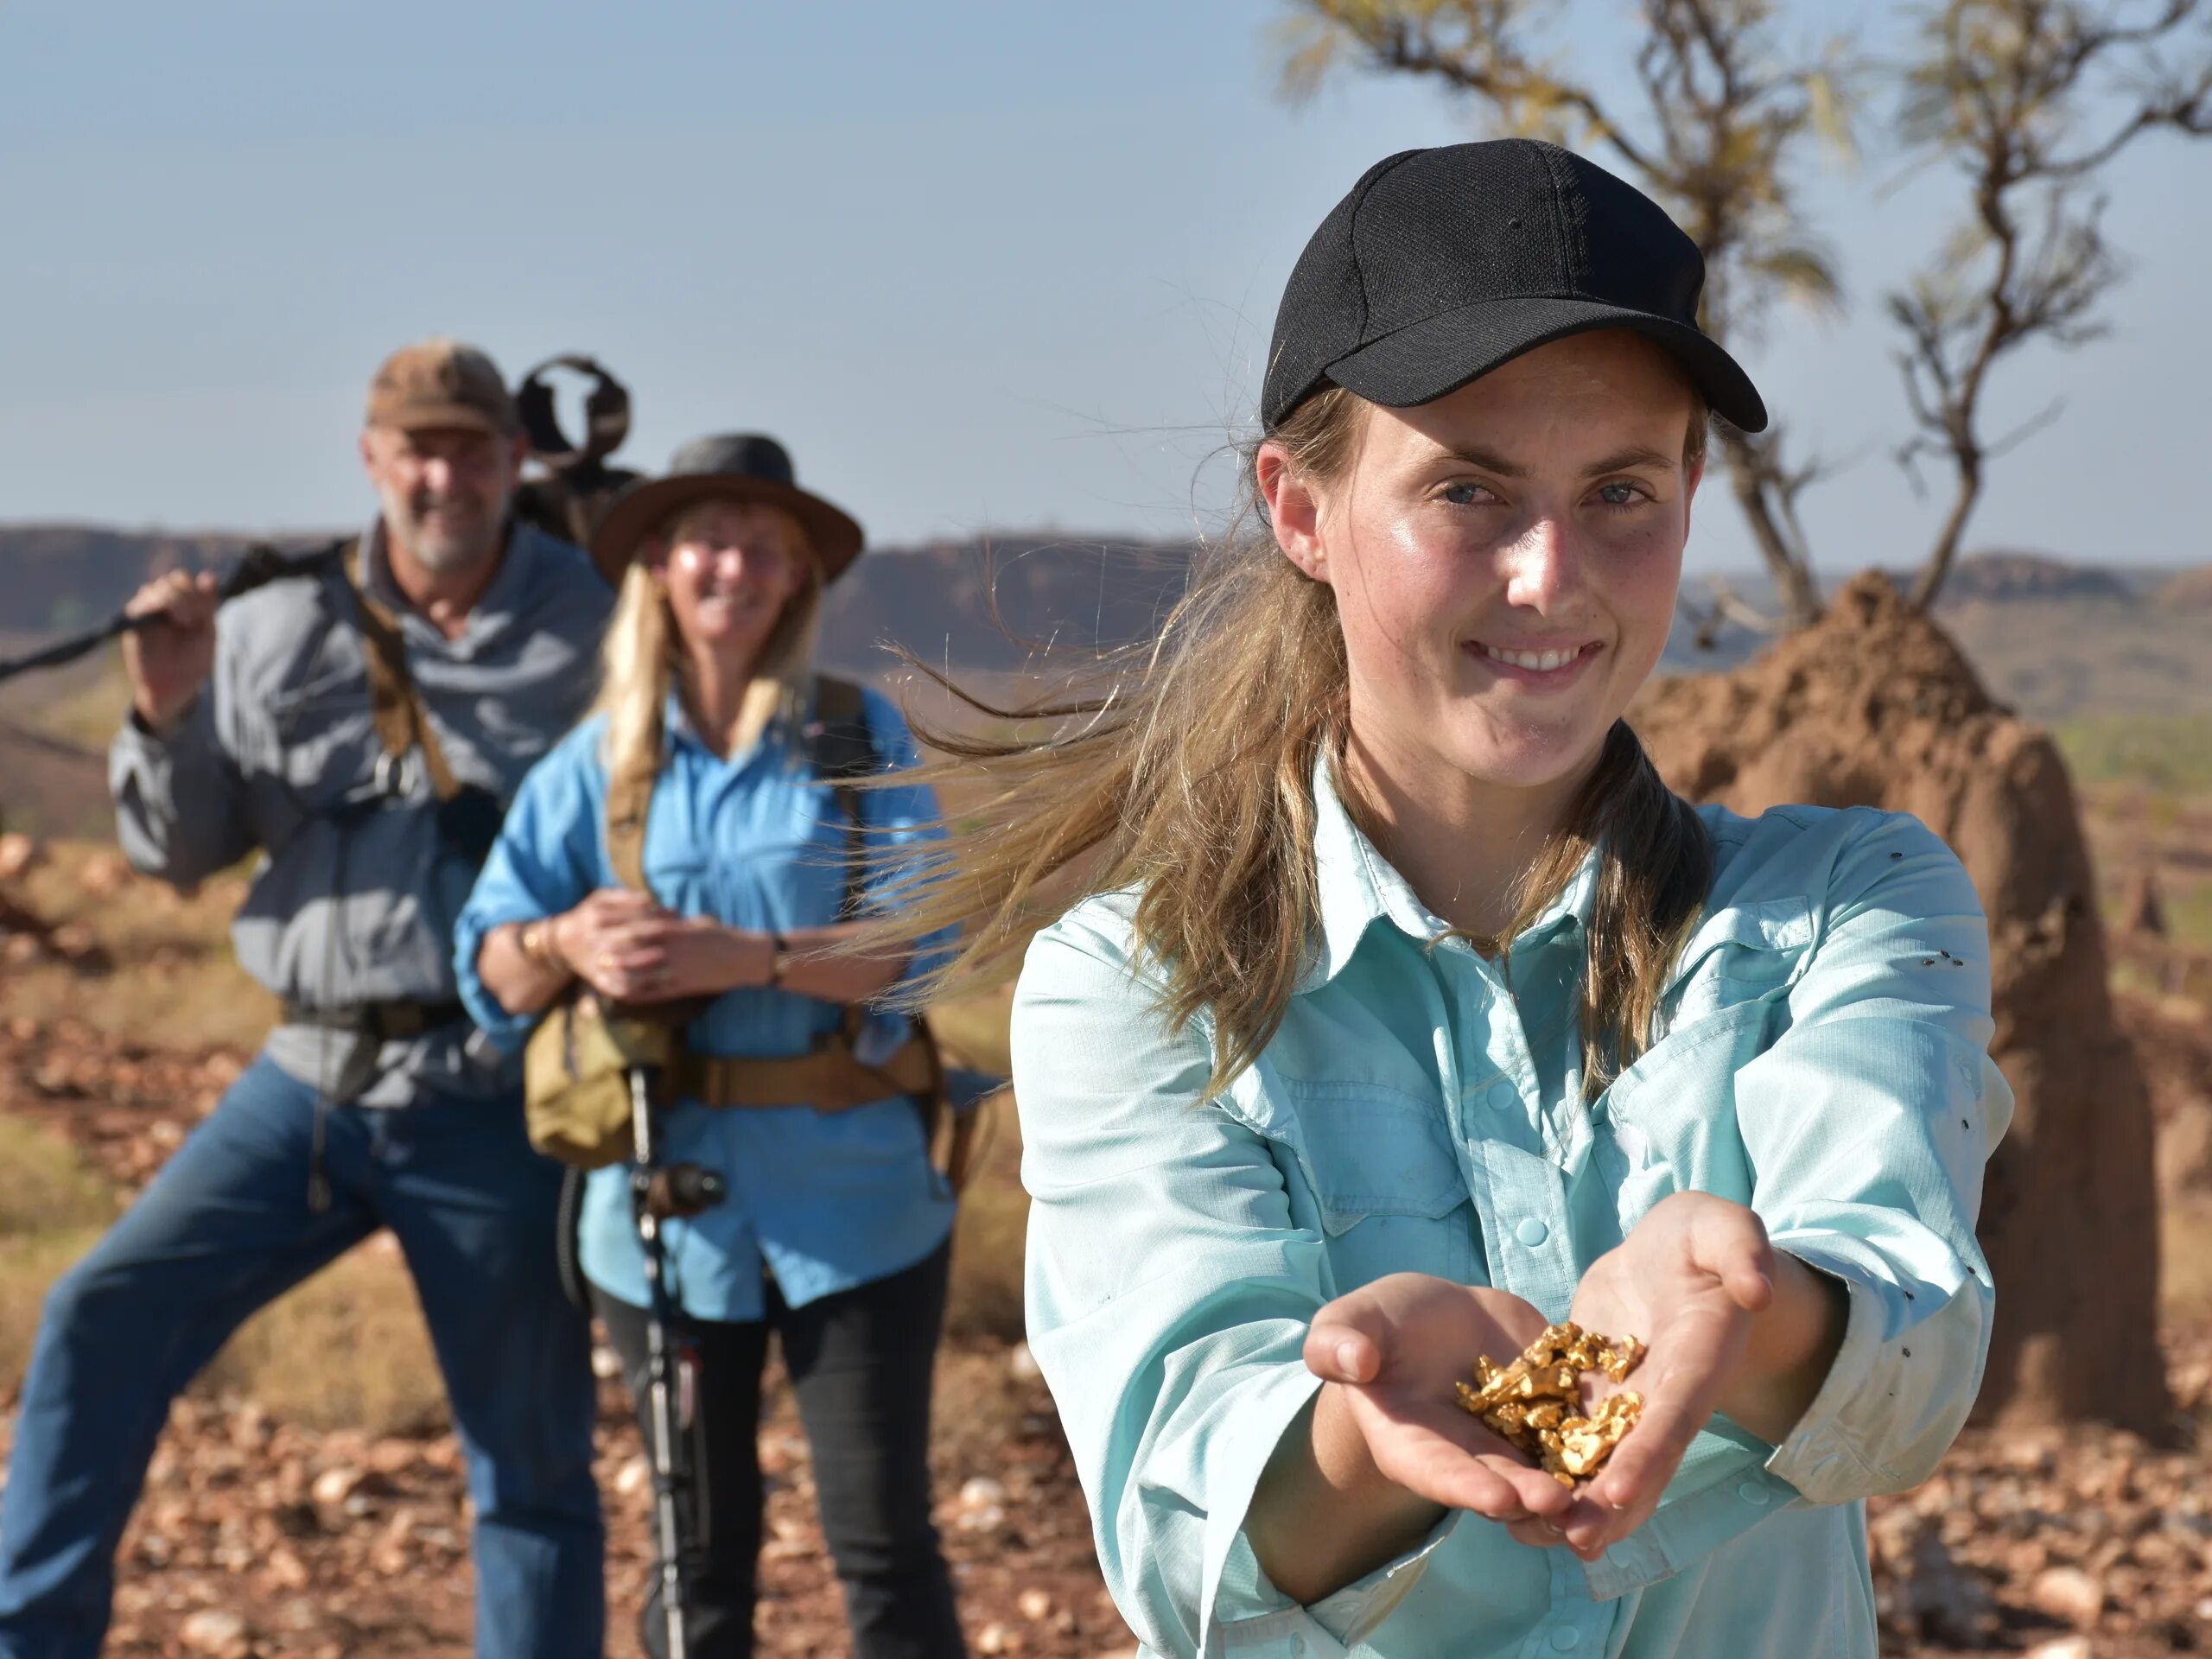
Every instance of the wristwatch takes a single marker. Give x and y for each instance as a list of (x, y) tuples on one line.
[(779, 959)]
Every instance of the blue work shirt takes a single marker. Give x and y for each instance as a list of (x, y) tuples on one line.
[(1823, 1059), (825, 1201)]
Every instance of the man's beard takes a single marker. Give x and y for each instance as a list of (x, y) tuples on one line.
[(450, 546)]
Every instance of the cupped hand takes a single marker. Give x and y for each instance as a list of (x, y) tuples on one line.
[(1395, 1347), (608, 942), (1687, 1280), (629, 949), (168, 661)]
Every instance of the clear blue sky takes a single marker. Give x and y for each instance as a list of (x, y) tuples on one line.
[(980, 264)]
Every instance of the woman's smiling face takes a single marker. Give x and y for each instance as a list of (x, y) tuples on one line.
[(728, 569), (1505, 559)]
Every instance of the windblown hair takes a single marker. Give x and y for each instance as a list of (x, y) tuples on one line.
[(1189, 779), (643, 656)]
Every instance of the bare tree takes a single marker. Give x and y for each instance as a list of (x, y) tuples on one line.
[(2031, 99), (1726, 113)]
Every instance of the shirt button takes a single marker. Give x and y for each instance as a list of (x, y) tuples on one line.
[(1567, 1638), (1503, 1097), (1297, 1646), (1532, 1233), (1751, 1492)]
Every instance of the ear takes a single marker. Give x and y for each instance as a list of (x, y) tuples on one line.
[(1293, 509), (1689, 494), (368, 455)]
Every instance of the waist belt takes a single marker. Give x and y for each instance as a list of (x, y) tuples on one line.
[(385, 1021), (830, 1078)]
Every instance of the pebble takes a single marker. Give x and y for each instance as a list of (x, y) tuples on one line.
[(215, 1633), (981, 1491), (2069, 1593)]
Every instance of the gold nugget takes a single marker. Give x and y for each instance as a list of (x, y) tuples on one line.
[(1534, 1403)]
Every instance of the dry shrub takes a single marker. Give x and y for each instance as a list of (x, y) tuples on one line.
[(45, 1187), (29, 1263), (346, 1350), (52, 1210)]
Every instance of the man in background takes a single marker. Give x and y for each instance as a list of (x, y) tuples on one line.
[(361, 728)]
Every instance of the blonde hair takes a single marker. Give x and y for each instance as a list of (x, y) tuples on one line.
[(643, 654), (1189, 779)]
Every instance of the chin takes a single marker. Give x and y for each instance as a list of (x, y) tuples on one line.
[(1532, 759)]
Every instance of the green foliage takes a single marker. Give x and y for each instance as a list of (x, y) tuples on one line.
[(2171, 754)]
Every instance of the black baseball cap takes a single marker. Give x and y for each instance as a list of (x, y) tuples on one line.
[(1443, 264)]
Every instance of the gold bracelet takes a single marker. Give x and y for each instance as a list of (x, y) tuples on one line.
[(537, 947)]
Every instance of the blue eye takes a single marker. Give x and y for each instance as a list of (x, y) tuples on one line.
[(1621, 494), (1466, 495)]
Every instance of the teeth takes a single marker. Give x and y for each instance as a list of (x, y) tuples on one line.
[(1542, 661)]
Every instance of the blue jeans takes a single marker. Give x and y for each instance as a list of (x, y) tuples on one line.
[(225, 1229)]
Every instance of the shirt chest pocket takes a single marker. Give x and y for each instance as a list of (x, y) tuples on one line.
[(1741, 954), (1389, 1193), (326, 741)]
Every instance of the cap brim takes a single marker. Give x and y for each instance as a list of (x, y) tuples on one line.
[(834, 534), (1428, 359), (430, 417)]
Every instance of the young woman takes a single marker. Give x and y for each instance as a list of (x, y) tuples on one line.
[(1409, 1010), (834, 1233)]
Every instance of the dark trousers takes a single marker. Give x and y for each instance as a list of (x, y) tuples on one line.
[(226, 1228), (860, 1362)]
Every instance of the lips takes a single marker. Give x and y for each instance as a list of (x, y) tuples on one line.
[(1548, 666)]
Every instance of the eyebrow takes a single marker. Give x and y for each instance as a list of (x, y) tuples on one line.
[(1620, 460)]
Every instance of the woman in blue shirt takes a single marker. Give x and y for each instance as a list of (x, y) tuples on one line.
[(834, 1233), (1410, 1010)]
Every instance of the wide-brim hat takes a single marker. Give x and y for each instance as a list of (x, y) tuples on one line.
[(731, 467)]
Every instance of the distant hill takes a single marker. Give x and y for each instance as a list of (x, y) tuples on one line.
[(57, 577), (2004, 576), (988, 604), (2190, 591), (2055, 638)]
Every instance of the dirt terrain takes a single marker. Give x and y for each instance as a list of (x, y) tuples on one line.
[(262, 1533)]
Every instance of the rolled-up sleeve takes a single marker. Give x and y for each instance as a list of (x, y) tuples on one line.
[(544, 861), (1169, 1295), (1868, 1123)]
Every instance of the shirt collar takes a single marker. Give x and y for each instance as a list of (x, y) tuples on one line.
[(496, 608), (1358, 887)]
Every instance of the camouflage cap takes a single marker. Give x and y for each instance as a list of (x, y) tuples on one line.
[(441, 382)]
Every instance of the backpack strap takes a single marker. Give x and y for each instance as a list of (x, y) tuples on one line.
[(843, 748), (394, 705)]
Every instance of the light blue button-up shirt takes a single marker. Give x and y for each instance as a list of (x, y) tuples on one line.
[(1823, 1060), (825, 1201)]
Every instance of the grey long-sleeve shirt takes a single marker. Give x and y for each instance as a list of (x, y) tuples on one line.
[(351, 903)]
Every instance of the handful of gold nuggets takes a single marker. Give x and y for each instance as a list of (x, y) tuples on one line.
[(1536, 1403)]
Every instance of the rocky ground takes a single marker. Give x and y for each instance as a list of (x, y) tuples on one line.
[(259, 1537)]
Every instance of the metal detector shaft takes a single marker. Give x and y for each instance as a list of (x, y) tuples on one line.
[(257, 566), (659, 1363)]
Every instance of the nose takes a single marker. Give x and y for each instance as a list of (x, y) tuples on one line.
[(1543, 566), (437, 474)]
